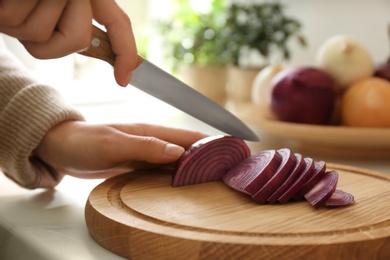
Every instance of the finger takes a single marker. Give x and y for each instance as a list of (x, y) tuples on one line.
[(40, 24), (181, 137), (15, 12), (120, 33), (121, 169), (72, 35), (125, 147)]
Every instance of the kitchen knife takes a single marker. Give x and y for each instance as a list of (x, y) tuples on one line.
[(160, 84)]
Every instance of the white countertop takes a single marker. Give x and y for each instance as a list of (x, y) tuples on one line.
[(43, 224)]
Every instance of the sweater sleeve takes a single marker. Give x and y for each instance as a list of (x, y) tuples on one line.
[(28, 110)]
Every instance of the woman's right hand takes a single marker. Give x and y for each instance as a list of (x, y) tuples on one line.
[(51, 29)]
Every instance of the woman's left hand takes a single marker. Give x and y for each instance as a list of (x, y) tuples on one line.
[(95, 151)]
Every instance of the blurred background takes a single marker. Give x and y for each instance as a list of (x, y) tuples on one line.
[(159, 25)]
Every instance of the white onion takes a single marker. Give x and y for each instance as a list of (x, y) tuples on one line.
[(261, 87), (345, 59)]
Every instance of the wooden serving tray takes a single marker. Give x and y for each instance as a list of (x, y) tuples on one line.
[(335, 140), (140, 216)]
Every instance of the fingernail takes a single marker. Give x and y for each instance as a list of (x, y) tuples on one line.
[(127, 79), (173, 150)]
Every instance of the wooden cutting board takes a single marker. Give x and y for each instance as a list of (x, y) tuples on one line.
[(140, 216)]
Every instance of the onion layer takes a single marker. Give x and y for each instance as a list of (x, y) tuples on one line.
[(317, 174), (293, 176), (209, 159), (298, 184), (323, 190), (281, 174), (339, 198), (251, 174)]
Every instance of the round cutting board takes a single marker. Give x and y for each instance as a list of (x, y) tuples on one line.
[(140, 216)]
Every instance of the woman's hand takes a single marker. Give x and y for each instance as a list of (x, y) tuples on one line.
[(94, 151), (52, 29)]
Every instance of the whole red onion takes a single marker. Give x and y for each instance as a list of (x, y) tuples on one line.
[(303, 95), (383, 70)]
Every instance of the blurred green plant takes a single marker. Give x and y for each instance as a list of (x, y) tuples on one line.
[(219, 35), (142, 39), (195, 37), (263, 27)]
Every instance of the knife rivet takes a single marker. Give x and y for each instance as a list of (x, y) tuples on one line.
[(95, 42)]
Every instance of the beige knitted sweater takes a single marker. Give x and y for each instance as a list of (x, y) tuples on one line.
[(28, 110)]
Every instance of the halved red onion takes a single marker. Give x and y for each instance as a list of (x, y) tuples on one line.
[(323, 190), (209, 159), (281, 174), (297, 185), (339, 198), (252, 173), (317, 175), (293, 176)]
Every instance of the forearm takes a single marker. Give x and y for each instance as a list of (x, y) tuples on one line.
[(27, 111)]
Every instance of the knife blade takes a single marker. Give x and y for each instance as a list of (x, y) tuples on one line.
[(160, 84)]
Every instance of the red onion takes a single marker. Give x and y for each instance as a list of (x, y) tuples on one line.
[(303, 95), (281, 174), (339, 198), (209, 159), (251, 174), (383, 71), (323, 190), (266, 176)]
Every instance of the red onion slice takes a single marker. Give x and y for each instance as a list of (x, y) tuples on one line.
[(317, 175), (294, 175), (297, 185), (209, 159), (339, 198), (323, 190), (281, 174), (252, 173)]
